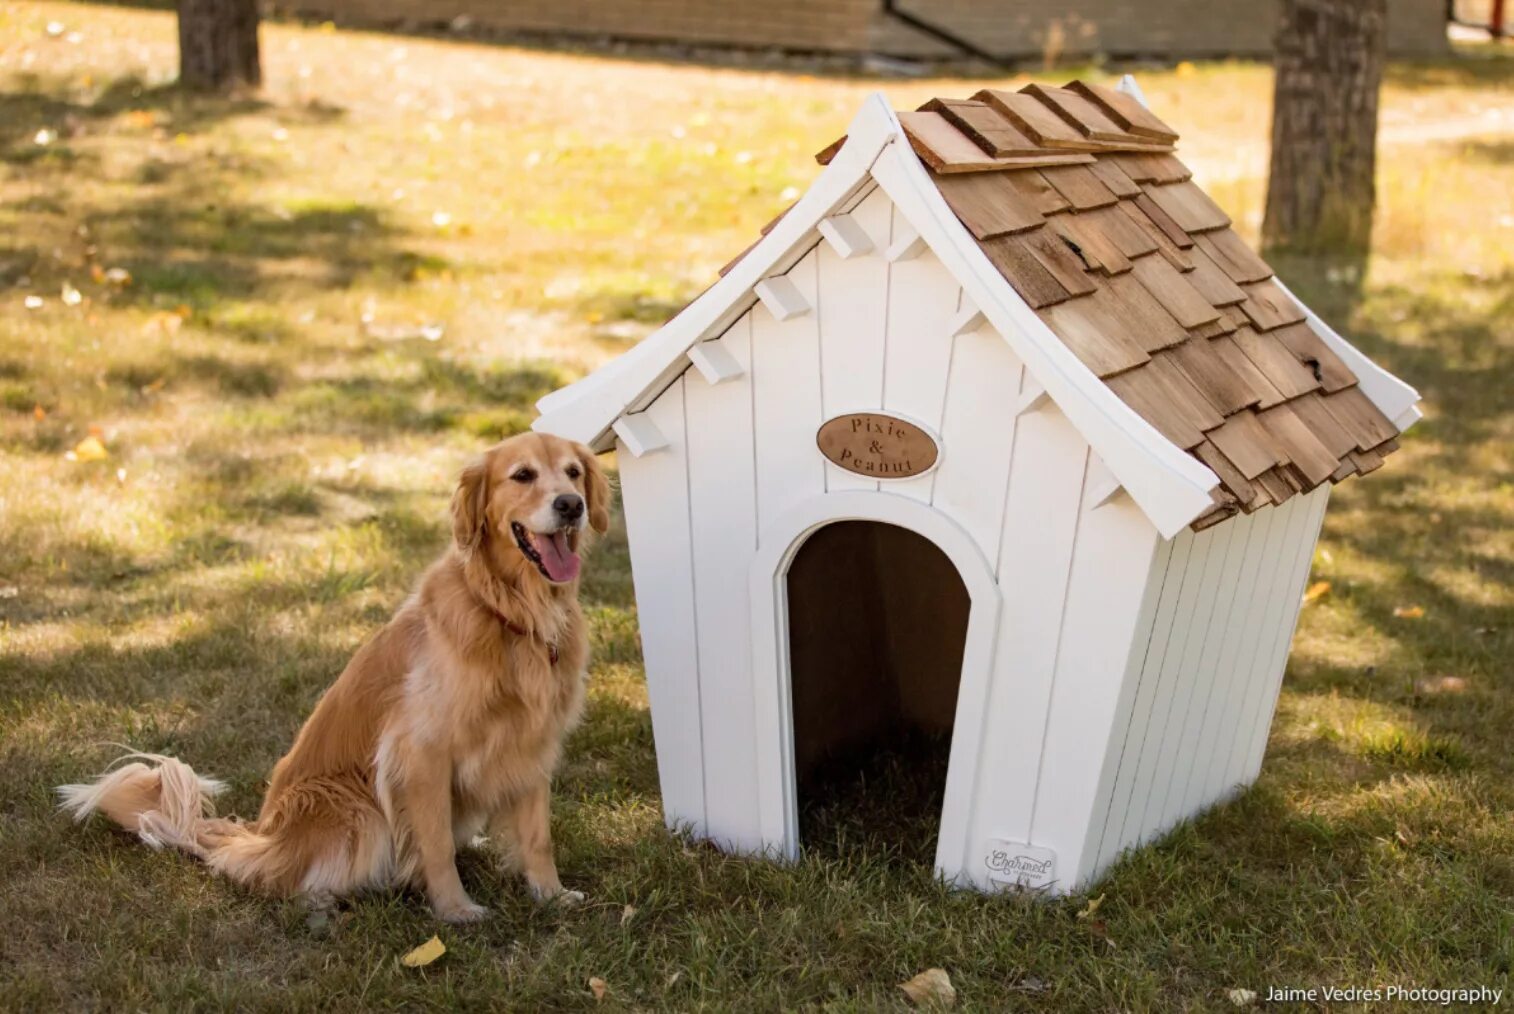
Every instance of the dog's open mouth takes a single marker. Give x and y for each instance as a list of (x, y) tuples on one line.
[(551, 552)]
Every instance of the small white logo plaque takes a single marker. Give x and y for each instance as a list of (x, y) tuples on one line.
[(1016, 864)]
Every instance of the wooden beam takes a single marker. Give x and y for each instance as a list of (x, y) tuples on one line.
[(968, 319), (639, 434), (714, 362), (846, 236), (1102, 485), (1033, 397), (907, 247), (782, 297)]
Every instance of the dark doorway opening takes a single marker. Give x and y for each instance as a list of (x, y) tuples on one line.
[(877, 627)]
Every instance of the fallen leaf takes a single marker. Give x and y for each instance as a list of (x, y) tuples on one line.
[(1030, 984), (597, 986), (33, 302), (118, 276), (1409, 612), (89, 449), (1185, 69), (1440, 685), (10, 591), (71, 296), (1092, 907), (627, 914), (425, 953), (39, 413), (1243, 997), (1316, 591), (141, 118), (931, 986)]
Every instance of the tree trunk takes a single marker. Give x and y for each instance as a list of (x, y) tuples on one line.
[(1329, 65), (218, 44)]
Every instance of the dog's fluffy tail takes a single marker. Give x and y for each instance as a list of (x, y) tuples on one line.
[(160, 799)]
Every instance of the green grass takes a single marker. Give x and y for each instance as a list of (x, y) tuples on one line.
[(282, 436)]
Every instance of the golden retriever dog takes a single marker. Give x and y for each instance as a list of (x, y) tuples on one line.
[(450, 720)]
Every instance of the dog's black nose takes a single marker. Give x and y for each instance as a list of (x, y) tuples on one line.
[(569, 506)]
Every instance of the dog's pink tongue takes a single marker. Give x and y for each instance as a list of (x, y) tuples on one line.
[(559, 560)]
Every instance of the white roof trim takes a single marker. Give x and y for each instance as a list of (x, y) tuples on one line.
[(585, 411), (1169, 485)]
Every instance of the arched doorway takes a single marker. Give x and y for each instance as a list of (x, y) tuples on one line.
[(877, 626)]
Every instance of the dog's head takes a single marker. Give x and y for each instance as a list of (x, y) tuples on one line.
[(532, 494)]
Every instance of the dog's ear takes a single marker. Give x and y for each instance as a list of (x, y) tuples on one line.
[(597, 486), (468, 504)]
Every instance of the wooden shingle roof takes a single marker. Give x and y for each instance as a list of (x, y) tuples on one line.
[(1075, 196)]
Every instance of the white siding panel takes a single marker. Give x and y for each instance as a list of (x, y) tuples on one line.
[(1040, 518), (1211, 546), (654, 489), (1112, 560), (1267, 610), (722, 509), (786, 402), (1291, 601), (1166, 584), (923, 299), (977, 433), (1204, 636), (1163, 670), (852, 310), (1206, 784)]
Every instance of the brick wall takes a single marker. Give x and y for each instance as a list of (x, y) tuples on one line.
[(1166, 28)]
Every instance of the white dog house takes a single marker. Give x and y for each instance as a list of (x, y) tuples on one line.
[(1003, 427)]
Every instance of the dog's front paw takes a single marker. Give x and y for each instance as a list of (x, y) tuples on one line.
[(460, 912), (555, 895)]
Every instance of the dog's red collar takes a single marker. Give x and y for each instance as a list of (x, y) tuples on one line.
[(520, 631)]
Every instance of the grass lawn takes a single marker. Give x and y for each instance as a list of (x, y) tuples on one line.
[(287, 321)]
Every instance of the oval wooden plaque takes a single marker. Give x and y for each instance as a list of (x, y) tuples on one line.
[(878, 446)]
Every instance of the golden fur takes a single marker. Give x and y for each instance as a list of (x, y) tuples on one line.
[(449, 720)]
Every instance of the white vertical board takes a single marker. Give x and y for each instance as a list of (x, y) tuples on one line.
[(1211, 546), (1231, 665), (1290, 596), (1113, 552), (977, 436), (654, 489), (1166, 583), (852, 309), (1204, 636), (786, 411), (1040, 519), (723, 523), (923, 299), (1162, 670)]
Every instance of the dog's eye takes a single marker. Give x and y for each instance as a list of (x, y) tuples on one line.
[(573, 471), (524, 475)]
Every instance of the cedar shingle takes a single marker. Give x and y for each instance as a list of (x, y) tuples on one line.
[(1325, 427), (1148, 322), (1032, 186), (1126, 111), (1269, 307), (1310, 350), (1058, 258), (1163, 221), (1222, 466), (947, 150), (1148, 168), (1305, 451), (1178, 297), (1212, 283), (1121, 230), (1113, 177), (1360, 418), (1023, 270), (1081, 187), (1095, 335), (1245, 443), (1188, 206), (1225, 375), (1233, 256), (1276, 363), (1093, 246), (1169, 250), (1080, 114), (987, 204), (1032, 118), (985, 127)]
